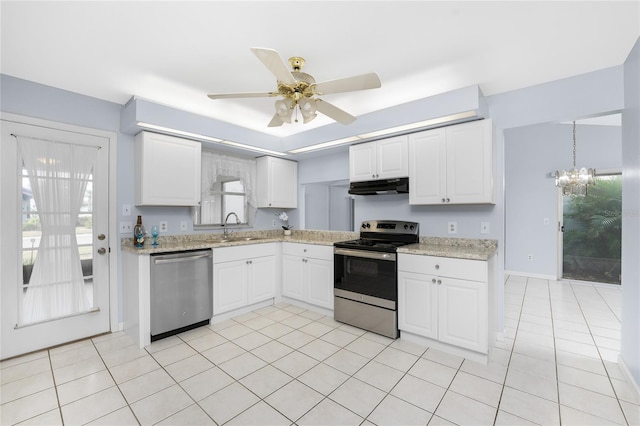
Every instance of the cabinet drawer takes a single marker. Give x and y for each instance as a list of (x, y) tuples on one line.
[(248, 251), (308, 250), (464, 269)]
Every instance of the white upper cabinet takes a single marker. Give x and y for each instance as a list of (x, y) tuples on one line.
[(383, 159), (277, 183), (167, 170), (452, 165)]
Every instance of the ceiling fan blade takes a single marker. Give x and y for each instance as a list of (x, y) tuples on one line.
[(349, 84), (242, 95), (275, 121), (334, 112), (272, 60)]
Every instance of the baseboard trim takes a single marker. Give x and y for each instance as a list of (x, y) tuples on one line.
[(531, 275)]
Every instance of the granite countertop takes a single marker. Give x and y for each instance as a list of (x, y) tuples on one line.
[(460, 248), (212, 240)]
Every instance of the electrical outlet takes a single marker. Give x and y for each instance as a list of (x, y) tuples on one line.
[(164, 227), (275, 224), (484, 227), (126, 210), (453, 227), (530, 257), (126, 227), (183, 225)]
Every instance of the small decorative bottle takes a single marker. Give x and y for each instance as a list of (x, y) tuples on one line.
[(138, 234)]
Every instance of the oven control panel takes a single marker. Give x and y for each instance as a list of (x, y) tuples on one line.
[(390, 226)]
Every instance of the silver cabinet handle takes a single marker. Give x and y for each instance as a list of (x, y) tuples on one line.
[(433, 280), (437, 266), (443, 200), (439, 282), (102, 250), (101, 237), (448, 200)]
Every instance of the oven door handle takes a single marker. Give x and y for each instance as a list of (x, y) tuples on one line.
[(366, 254)]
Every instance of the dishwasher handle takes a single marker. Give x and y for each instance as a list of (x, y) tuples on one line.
[(187, 258)]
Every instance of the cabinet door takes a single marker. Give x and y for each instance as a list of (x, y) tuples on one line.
[(463, 318), (418, 304), (470, 163), (293, 279), (362, 162), (229, 286), (261, 279), (277, 183), (319, 275), (427, 167), (167, 170), (392, 158)]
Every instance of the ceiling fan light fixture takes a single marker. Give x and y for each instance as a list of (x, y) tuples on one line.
[(284, 109), (307, 109)]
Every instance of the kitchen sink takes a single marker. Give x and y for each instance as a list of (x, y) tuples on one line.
[(234, 239)]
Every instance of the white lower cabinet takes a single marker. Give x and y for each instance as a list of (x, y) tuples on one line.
[(242, 276), (444, 299), (307, 273)]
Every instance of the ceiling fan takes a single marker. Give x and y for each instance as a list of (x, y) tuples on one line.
[(300, 90)]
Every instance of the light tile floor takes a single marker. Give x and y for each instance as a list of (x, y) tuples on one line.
[(283, 365)]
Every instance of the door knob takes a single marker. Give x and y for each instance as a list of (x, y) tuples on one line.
[(102, 250)]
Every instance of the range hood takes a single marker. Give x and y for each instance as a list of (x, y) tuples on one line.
[(376, 187)]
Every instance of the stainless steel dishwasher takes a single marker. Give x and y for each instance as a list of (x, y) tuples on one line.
[(181, 291)]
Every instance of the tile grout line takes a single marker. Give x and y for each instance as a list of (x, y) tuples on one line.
[(116, 385), (624, 416), (504, 383)]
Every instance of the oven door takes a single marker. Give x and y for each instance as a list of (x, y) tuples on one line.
[(366, 276)]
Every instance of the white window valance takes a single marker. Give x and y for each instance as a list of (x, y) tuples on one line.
[(215, 165)]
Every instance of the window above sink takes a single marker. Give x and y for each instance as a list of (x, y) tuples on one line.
[(228, 186)]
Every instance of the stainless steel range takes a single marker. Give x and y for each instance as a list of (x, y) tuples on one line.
[(365, 275)]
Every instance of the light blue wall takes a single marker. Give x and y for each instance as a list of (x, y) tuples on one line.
[(630, 351), (576, 97), (531, 154)]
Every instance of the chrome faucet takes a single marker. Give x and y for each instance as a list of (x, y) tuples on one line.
[(226, 231)]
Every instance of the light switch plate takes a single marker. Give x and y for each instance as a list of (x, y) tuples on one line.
[(126, 210), (183, 225)]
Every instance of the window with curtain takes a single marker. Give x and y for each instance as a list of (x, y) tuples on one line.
[(228, 186)]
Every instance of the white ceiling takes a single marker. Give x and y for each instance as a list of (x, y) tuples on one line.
[(174, 53)]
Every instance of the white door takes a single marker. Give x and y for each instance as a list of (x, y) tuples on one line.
[(463, 313), (54, 257), (261, 277), (320, 279), (362, 162), (469, 163), (392, 158), (427, 167), (418, 304), (229, 286), (293, 284)]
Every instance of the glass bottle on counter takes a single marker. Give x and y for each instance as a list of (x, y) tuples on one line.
[(139, 234)]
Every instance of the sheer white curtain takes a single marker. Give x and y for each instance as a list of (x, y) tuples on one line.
[(58, 174), (215, 165)]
